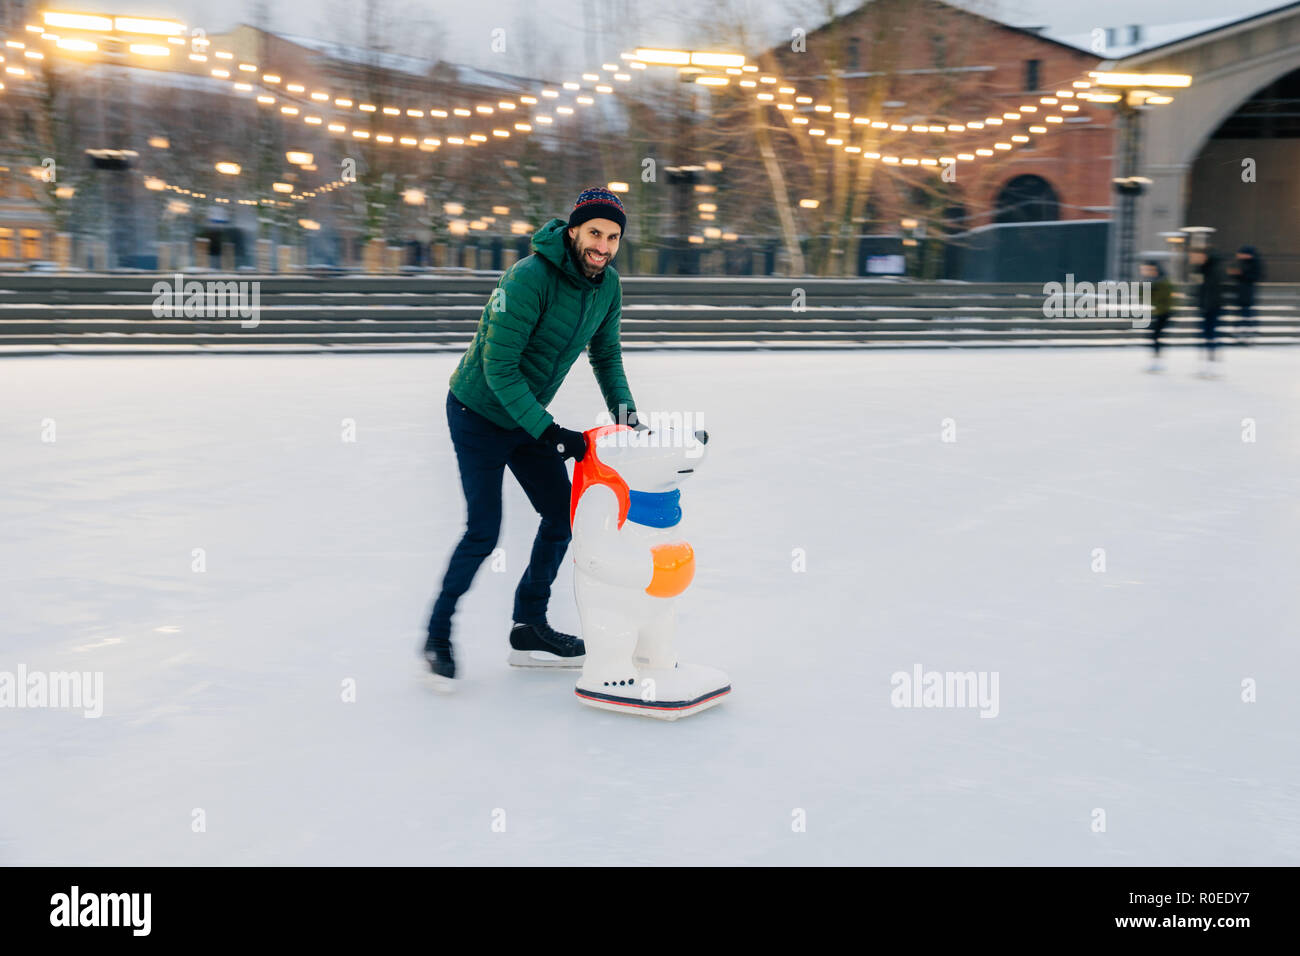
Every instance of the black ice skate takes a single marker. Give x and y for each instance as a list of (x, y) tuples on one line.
[(442, 664), (540, 645)]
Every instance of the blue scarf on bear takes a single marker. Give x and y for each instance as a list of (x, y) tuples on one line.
[(655, 509)]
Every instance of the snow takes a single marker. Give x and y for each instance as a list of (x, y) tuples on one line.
[(350, 53), (1152, 35), (1118, 690)]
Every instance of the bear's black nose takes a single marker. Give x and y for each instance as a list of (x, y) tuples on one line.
[(702, 437)]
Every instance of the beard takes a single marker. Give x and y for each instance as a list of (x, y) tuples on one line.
[(591, 267)]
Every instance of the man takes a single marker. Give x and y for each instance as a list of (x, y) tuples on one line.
[(1162, 307), (1209, 301), (1247, 272), (544, 311)]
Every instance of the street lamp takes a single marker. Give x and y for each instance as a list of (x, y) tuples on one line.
[(1131, 185), (1176, 253), (77, 21), (73, 45), (1198, 237), (1135, 94), (687, 178)]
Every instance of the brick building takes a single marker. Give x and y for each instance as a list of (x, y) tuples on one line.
[(926, 63)]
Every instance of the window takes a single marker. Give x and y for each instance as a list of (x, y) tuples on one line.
[(6, 242), (31, 243), (1134, 34), (1032, 78), (939, 50), (854, 56)]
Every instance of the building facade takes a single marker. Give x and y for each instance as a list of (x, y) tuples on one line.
[(925, 63)]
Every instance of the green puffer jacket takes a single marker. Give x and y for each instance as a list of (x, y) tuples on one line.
[(541, 315)]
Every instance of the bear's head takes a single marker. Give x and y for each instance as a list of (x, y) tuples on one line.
[(654, 460), (650, 460)]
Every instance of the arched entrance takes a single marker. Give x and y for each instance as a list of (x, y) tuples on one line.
[(1243, 181), (1229, 66), (1027, 199)]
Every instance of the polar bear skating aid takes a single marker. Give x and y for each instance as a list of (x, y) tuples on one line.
[(630, 563)]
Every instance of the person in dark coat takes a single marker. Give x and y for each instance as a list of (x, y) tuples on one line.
[(1209, 302), (1246, 272), (1162, 306)]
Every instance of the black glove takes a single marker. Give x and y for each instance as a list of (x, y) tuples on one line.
[(636, 422), (568, 444)]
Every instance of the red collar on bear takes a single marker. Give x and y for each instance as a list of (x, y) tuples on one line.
[(592, 471)]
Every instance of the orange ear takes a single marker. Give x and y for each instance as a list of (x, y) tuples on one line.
[(592, 471)]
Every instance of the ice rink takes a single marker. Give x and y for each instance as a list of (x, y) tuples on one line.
[(1120, 734)]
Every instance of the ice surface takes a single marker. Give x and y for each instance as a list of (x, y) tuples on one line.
[(1118, 691)]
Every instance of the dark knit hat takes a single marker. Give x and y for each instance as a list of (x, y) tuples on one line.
[(597, 202)]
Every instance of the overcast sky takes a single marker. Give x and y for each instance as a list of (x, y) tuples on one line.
[(538, 32)]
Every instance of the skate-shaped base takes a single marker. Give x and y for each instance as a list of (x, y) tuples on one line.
[(663, 693)]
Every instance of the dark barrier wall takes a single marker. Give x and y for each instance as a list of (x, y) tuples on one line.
[(1006, 252), (1031, 252)]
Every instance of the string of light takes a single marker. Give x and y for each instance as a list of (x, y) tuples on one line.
[(159, 184), (295, 102), (734, 67)]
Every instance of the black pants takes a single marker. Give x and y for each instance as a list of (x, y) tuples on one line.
[(1210, 330), (483, 452), (1158, 323), (1246, 307)]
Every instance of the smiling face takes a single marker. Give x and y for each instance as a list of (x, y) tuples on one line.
[(596, 244)]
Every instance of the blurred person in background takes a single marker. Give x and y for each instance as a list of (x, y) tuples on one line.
[(1162, 305), (1246, 272), (1208, 276)]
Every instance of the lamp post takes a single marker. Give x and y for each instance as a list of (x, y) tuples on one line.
[(103, 39), (1136, 92), (911, 229), (1198, 240), (1177, 255), (109, 160), (1129, 188), (685, 178), (693, 69)]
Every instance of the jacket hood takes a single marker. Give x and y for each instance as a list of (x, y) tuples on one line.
[(551, 243)]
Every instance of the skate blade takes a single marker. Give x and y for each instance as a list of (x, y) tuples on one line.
[(440, 684), (659, 711), (545, 659)]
